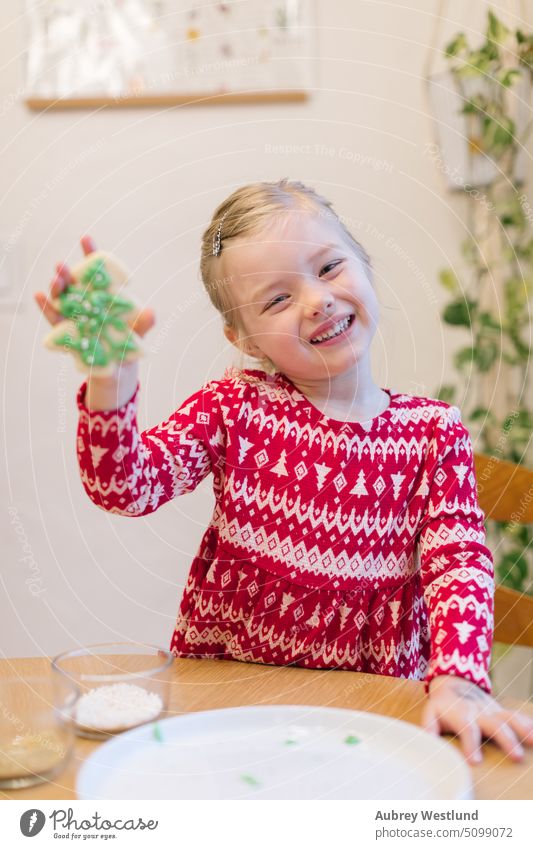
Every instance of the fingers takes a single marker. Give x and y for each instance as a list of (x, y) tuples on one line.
[(63, 276), (469, 734), (62, 279), (88, 245), (470, 737), (503, 735), (522, 725), (464, 724), (430, 722), (47, 308), (466, 729), (141, 320)]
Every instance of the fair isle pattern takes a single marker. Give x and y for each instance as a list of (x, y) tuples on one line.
[(347, 545)]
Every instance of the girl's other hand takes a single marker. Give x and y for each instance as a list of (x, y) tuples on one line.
[(141, 320), (457, 705)]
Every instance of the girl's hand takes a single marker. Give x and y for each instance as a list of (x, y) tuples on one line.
[(141, 320), (457, 705)]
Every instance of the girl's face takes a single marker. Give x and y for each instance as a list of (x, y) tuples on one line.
[(296, 276)]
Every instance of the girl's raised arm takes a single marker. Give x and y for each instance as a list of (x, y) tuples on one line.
[(131, 473)]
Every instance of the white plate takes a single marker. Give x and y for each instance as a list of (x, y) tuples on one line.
[(276, 752)]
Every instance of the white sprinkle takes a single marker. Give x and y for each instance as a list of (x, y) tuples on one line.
[(117, 706)]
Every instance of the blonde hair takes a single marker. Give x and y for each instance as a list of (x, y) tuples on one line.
[(247, 211)]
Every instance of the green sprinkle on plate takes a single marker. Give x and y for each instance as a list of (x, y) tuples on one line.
[(351, 740), (250, 780), (289, 742), (158, 734)]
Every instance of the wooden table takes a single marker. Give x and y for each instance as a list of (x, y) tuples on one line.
[(209, 684)]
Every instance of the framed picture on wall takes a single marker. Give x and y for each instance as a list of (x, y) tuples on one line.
[(145, 52)]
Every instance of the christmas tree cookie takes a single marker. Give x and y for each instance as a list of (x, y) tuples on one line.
[(95, 328)]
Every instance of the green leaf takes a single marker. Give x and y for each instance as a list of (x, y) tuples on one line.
[(474, 65), (515, 292), (447, 393), (449, 280), (480, 413), (463, 357), (470, 250), (470, 108), (522, 251), (528, 285), (511, 213), (487, 320), (508, 77), (458, 44), (524, 419), (485, 354), (524, 535), (512, 570), (525, 49), (505, 132), (459, 313), (522, 348), (496, 31), (497, 133)]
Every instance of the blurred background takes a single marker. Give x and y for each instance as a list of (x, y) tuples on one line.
[(144, 181)]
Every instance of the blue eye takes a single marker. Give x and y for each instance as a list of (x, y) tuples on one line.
[(331, 265), (275, 301)]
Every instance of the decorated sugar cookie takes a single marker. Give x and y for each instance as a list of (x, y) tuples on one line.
[(95, 327)]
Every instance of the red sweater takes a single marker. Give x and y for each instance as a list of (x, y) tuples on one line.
[(346, 545)]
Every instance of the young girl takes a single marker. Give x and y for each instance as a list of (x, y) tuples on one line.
[(346, 532)]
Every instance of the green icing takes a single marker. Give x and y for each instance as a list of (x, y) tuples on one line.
[(94, 310), (249, 779), (351, 740), (158, 734), (96, 276)]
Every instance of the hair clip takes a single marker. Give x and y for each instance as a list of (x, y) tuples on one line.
[(216, 239)]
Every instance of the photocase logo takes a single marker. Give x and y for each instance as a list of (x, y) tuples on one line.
[(32, 822)]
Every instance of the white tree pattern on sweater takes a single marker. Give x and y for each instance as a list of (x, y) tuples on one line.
[(348, 545)]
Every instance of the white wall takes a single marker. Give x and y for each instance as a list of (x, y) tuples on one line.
[(144, 183)]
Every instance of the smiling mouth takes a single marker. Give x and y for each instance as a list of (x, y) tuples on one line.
[(342, 326)]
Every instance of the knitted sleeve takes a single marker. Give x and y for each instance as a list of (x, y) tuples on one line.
[(457, 568), (131, 473)]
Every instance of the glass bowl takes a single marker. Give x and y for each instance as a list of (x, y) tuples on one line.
[(121, 685), (36, 728)]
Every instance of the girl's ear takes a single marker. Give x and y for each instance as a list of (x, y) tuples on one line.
[(243, 345), (231, 335)]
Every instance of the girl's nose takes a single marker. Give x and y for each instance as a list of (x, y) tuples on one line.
[(318, 300)]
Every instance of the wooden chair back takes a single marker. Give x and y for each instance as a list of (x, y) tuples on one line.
[(505, 493)]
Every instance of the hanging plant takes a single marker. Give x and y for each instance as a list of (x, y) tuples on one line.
[(491, 80)]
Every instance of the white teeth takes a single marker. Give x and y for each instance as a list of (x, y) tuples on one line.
[(339, 327)]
